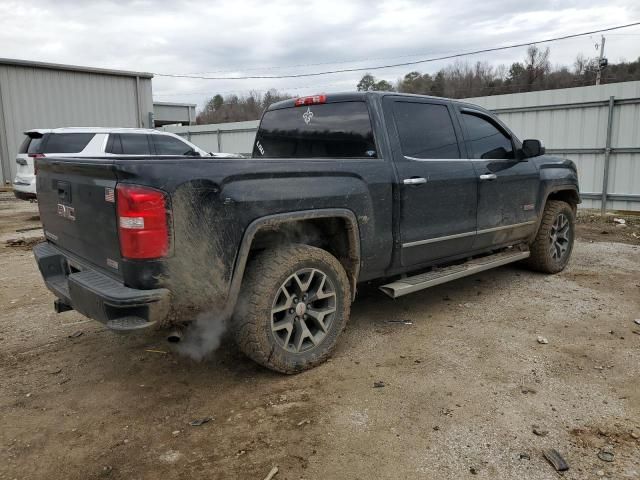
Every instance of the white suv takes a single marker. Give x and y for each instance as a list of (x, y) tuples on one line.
[(96, 142)]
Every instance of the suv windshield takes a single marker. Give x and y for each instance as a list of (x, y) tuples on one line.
[(338, 130)]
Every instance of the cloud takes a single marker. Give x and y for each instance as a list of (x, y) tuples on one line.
[(250, 37)]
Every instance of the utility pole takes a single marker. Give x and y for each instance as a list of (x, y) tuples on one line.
[(602, 62)]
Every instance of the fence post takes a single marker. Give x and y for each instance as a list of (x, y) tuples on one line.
[(219, 135), (607, 155)]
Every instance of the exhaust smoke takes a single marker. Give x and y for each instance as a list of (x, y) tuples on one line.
[(202, 337)]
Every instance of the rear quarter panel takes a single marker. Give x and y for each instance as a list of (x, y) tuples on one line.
[(215, 200)]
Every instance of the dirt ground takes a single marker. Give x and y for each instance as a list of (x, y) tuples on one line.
[(465, 380)]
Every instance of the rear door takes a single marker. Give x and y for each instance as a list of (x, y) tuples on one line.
[(129, 144), (438, 188), (507, 186)]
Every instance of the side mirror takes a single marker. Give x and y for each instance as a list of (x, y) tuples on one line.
[(532, 148)]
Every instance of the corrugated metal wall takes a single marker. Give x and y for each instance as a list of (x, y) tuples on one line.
[(35, 97), (165, 113)]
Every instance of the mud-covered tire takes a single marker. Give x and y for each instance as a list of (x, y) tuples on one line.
[(553, 244), (272, 278)]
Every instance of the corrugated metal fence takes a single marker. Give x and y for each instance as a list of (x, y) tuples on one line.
[(236, 137), (598, 127)]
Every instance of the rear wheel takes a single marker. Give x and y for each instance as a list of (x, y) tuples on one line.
[(294, 302), (551, 249)]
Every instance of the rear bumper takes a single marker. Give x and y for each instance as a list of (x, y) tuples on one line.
[(97, 295), (23, 195), (25, 184)]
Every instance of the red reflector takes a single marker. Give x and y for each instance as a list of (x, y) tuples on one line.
[(312, 100), (142, 222)]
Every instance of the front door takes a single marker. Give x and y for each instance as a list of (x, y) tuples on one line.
[(507, 185), (437, 186)]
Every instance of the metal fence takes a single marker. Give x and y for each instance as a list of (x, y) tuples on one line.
[(598, 127), (236, 137)]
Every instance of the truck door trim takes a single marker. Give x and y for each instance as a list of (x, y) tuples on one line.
[(505, 227), (466, 234), (437, 239)]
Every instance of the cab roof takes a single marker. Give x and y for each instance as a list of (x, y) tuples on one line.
[(362, 96)]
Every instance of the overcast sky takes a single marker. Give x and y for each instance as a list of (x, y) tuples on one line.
[(261, 37)]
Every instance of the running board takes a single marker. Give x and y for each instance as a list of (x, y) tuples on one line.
[(437, 276)]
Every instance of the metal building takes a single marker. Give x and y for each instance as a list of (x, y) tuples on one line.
[(169, 113), (47, 95)]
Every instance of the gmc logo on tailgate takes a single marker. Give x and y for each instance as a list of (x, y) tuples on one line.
[(66, 211)]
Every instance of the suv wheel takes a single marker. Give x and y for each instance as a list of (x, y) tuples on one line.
[(295, 301), (551, 249)]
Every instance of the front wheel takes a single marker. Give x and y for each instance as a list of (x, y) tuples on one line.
[(551, 249), (294, 302)]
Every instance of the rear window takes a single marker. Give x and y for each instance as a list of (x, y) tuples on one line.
[(66, 142), (31, 144), (426, 130), (341, 130)]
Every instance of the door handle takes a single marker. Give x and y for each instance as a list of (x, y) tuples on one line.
[(488, 176), (414, 181)]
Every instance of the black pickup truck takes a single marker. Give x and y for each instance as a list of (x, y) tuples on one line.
[(407, 191)]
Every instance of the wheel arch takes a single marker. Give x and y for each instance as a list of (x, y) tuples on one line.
[(565, 193), (301, 227)]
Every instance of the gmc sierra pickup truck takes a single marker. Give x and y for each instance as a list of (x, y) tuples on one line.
[(407, 191)]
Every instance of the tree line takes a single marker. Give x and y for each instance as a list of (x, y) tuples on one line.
[(535, 72), (458, 80)]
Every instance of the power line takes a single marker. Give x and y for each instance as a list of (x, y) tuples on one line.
[(336, 62), (403, 64), (249, 90)]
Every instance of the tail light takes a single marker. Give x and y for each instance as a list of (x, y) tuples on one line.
[(35, 156), (312, 100), (142, 222)]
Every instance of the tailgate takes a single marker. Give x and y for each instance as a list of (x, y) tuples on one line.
[(76, 199)]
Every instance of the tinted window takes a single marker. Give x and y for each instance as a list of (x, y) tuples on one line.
[(66, 142), (485, 140), (34, 145), (113, 144), (24, 146), (31, 144), (340, 130), (134, 144), (166, 145), (425, 130)]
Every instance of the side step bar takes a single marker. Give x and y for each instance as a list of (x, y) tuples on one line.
[(437, 276)]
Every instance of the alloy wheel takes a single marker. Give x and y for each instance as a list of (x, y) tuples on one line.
[(303, 310)]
